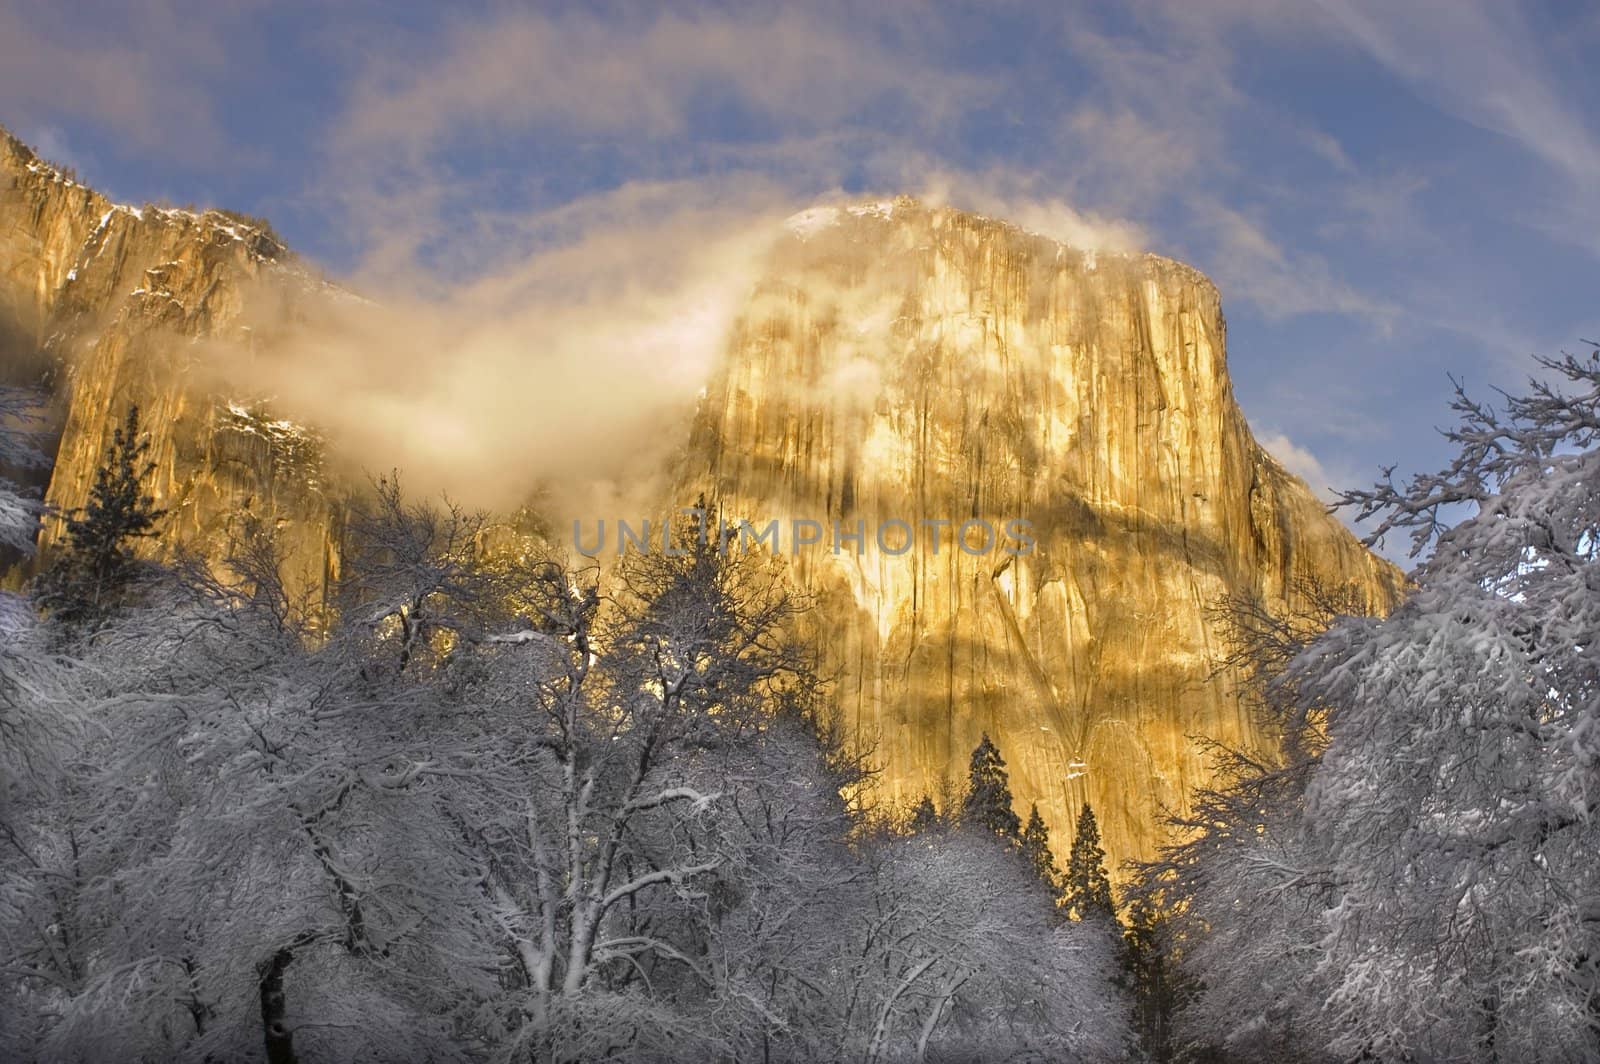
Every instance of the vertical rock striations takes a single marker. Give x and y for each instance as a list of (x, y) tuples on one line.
[(921, 364), (898, 362), (115, 305)]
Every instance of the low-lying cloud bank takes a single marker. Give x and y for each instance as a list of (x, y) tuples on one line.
[(563, 364), (571, 371)]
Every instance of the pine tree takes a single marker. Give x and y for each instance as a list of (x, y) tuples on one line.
[(924, 816), (90, 577), (1087, 887), (1150, 976), (988, 800), (1036, 850)]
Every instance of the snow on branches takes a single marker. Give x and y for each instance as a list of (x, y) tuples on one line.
[(1418, 881)]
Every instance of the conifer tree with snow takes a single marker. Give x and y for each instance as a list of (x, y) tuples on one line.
[(924, 817), (1148, 972), (90, 577), (988, 799), (1036, 850), (1087, 888)]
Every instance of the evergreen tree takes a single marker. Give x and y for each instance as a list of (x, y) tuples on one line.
[(89, 578), (1036, 850), (924, 816), (1087, 887), (988, 800), (1154, 982)]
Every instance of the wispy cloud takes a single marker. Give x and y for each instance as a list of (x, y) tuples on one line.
[(570, 370), (650, 78), (1252, 265), (1024, 198), (471, 161), (1481, 61), (79, 62), (1478, 60), (1301, 462)]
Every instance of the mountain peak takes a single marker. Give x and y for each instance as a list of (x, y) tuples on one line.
[(908, 374), (1056, 227)]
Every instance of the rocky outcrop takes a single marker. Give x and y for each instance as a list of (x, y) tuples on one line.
[(897, 363), (907, 363), (113, 305)]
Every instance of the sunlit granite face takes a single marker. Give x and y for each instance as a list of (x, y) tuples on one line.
[(121, 302), (919, 364), (897, 363)]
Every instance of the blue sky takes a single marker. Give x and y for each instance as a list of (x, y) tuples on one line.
[(1385, 192)]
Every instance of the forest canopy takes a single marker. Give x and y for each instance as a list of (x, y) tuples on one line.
[(488, 807)]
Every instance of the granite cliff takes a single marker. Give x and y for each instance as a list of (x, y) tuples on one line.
[(110, 305), (898, 362), (917, 364)]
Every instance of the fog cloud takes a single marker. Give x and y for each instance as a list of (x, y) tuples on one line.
[(573, 370)]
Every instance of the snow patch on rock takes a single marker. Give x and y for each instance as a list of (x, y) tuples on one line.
[(811, 221), (878, 209)]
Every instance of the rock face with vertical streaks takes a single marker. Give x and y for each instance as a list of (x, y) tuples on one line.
[(897, 363), (918, 364), (117, 305)]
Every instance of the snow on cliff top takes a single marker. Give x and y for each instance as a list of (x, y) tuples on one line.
[(808, 223), (1076, 237), (813, 220)]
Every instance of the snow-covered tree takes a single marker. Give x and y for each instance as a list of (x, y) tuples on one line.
[(960, 957), (620, 860), (1235, 904), (1416, 881), (1457, 798), (1086, 888), (1036, 850), (988, 800), (255, 857), (91, 574), (1242, 897), (484, 811), (790, 901), (423, 578), (41, 723)]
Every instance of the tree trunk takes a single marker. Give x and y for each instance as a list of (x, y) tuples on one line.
[(880, 1032), (584, 925), (932, 1022), (279, 1039)]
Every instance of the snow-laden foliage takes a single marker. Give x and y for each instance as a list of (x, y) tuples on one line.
[(41, 695), (20, 424), (482, 811), (1086, 888), (1415, 878), (97, 568)]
